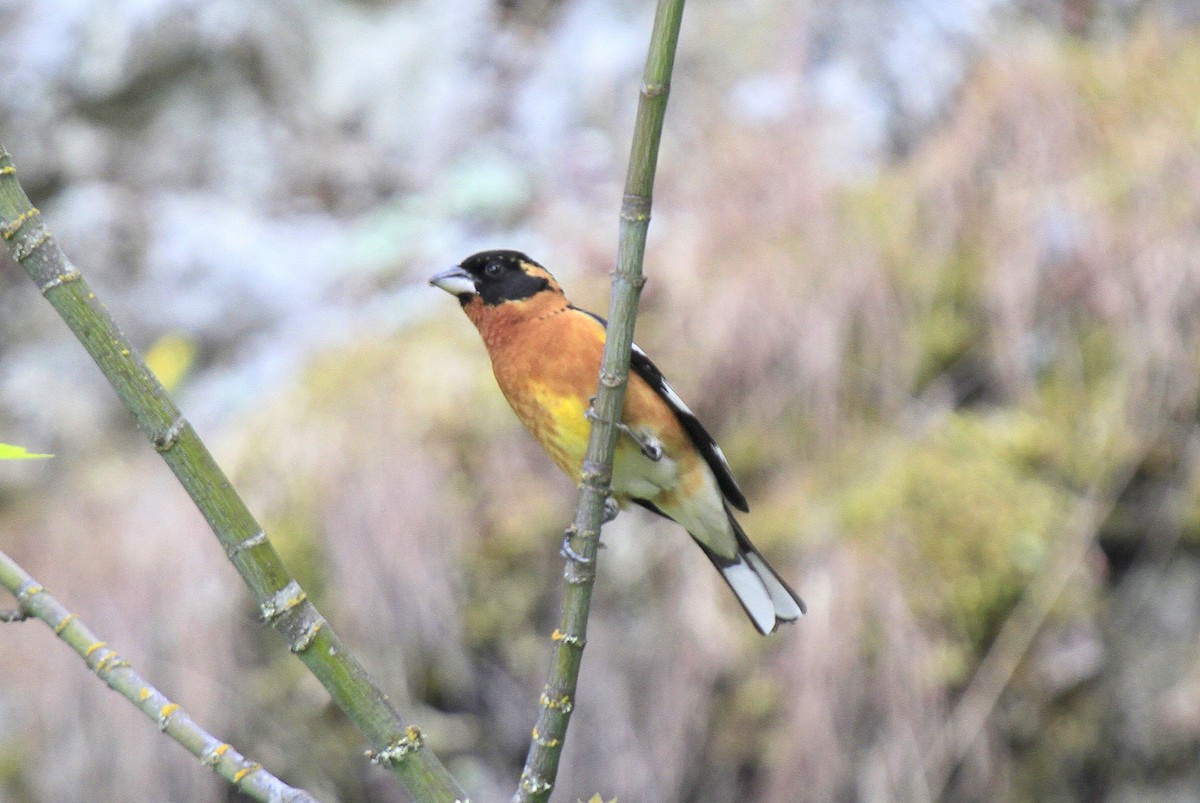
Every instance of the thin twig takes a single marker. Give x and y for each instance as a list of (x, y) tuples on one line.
[(998, 666), (284, 604), (248, 776), (558, 696)]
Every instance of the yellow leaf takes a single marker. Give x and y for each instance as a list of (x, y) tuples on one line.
[(171, 357), (597, 799), (10, 452)]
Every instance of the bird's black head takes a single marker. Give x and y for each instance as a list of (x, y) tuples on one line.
[(496, 277)]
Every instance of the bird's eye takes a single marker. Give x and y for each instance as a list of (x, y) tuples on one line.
[(493, 269)]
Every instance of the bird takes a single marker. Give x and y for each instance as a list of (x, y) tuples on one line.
[(545, 355)]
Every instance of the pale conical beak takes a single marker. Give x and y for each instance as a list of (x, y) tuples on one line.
[(456, 282)]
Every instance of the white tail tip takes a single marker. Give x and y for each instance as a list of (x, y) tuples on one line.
[(766, 600)]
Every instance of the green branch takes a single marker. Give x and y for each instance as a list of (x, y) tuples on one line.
[(283, 603), (249, 777), (558, 696)]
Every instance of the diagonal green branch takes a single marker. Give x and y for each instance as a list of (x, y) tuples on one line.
[(249, 777), (558, 696), (284, 604)]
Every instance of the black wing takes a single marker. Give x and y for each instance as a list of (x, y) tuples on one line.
[(640, 364)]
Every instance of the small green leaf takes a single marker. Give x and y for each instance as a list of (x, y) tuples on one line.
[(171, 358), (10, 452)]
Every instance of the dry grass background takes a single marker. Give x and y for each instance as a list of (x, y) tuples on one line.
[(918, 376)]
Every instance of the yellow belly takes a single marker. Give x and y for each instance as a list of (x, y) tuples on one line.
[(557, 421), (560, 426)]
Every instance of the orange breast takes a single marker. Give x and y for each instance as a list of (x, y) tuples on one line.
[(547, 367), (548, 371)]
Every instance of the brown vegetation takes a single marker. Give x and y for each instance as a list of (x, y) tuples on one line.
[(920, 377)]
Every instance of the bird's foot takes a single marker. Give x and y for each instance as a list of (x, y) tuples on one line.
[(570, 554), (611, 509), (648, 444)]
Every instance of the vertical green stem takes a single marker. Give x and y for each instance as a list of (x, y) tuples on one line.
[(558, 696)]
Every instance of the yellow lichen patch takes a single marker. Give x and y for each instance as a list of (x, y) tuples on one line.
[(7, 231), (164, 715), (241, 774), (213, 757), (537, 737)]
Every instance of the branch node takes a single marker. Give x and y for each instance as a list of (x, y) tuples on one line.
[(241, 774), (60, 279), (394, 753), (233, 550), (164, 715), (535, 784), (25, 246), (572, 641), (111, 660), (166, 440), (9, 229), (594, 474), (634, 209), (543, 741), (611, 380), (96, 645), (576, 575), (637, 281), (561, 703), (62, 624), (213, 757), (282, 601), (655, 90), (308, 636)]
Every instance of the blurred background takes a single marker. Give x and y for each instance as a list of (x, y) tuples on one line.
[(929, 270)]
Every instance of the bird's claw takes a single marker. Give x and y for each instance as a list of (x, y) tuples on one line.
[(570, 554), (648, 444), (611, 509)]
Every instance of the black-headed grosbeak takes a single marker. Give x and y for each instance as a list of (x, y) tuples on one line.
[(546, 357)]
